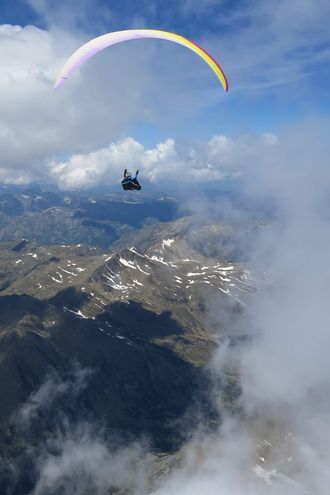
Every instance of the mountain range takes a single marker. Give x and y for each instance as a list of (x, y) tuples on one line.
[(119, 336)]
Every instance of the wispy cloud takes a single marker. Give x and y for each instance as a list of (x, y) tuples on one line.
[(81, 459), (67, 453), (53, 389), (276, 44), (77, 15)]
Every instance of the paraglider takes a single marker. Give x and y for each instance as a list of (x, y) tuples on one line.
[(97, 44), (130, 183)]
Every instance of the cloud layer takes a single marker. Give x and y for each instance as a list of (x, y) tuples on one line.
[(174, 162)]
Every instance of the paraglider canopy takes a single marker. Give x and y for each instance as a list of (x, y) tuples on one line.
[(97, 44)]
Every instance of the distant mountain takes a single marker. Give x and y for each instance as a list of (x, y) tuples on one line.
[(108, 220), (51, 218)]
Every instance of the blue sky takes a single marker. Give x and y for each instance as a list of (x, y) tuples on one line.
[(275, 54)]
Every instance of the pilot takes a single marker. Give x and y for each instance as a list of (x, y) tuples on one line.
[(130, 183)]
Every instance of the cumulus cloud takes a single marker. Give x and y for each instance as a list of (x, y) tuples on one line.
[(219, 158)]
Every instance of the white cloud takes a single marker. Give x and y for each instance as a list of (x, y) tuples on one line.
[(169, 160), (36, 121), (292, 316), (81, 459), (53, 388), (75, 456)]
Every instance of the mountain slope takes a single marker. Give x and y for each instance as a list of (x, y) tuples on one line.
[(134, 324)]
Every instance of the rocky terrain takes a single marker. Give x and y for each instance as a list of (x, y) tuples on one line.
[(136, 317)]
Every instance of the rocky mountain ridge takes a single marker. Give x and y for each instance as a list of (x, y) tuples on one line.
[(135, 320)]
